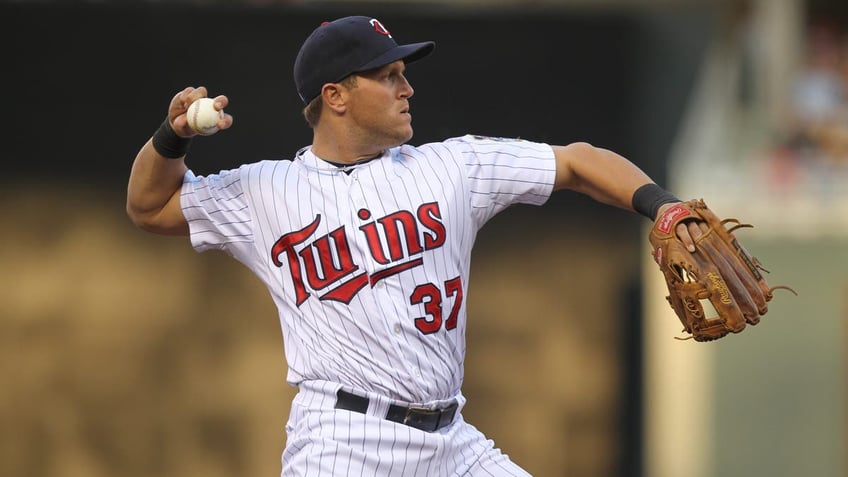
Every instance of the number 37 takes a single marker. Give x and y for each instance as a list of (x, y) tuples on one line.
[(430, 296)]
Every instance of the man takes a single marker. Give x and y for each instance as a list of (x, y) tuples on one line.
[(364, 243)]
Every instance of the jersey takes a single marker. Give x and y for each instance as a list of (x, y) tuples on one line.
[(368, 265)]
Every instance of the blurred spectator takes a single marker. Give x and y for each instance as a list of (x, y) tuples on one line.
[(812, 152), (818, 101)]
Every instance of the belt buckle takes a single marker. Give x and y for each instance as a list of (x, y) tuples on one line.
[(418, 410), (422, 418)]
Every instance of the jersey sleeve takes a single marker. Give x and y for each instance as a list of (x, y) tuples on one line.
[(216, 209), (502, 172)]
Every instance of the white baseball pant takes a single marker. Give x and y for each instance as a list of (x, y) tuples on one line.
[(325, 441)]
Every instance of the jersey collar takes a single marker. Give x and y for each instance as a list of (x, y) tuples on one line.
[(312, 161)]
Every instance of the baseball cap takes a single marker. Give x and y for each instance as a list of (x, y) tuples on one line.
[(348, 45)]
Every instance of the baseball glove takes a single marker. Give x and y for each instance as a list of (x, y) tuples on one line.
[(719, 275)]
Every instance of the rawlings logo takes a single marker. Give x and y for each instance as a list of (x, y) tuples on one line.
[(721, 288), (693, 307), (671, 216)]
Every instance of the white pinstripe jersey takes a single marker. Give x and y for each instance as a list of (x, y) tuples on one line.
[(369, 267)]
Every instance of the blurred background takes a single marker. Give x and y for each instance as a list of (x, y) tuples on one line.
[(128, 354)]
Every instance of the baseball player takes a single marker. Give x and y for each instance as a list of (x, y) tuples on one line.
[(364, 243)]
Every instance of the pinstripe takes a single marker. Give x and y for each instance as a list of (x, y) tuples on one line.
[(394, 312), (434, 349), (406, 291), (369, 342)]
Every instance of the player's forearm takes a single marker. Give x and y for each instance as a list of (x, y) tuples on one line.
[(599, 173), (153, 192)]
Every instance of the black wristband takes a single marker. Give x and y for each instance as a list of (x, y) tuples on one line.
[(168, 144), (648, 199)]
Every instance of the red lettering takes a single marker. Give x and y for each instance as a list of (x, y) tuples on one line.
[(347, 290), (453, 288), (431, 218), (372, 236), (328, 259), (392, 225), (431, 297), (285, 244), (325, 265), (670, 216)]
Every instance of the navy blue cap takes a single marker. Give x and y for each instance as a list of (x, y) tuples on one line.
[(345, 46)]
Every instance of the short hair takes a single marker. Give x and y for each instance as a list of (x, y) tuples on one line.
[(312, 111)]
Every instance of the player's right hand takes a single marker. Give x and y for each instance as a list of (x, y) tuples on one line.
[(179, 106)]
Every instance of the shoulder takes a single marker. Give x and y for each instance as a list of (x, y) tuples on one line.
[(447, 151), (470, 148), (264, 168), (240, 178), (476, 147), (464, 143), (478, 143), (494, 142)]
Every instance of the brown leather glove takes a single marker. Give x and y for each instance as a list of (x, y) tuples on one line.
[(717, 289)]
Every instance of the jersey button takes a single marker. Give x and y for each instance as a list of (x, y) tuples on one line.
[(397, 328)]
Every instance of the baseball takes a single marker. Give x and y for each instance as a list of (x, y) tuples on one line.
[(203, 117)]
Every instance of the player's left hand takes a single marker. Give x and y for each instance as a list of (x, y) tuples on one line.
[(688, 231)]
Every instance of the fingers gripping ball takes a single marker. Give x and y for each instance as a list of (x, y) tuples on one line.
[(720, 275), (202, 116)]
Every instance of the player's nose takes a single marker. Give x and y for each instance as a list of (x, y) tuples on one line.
[(406, 89)]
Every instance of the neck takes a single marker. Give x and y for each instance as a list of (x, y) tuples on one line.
[(349, 164), (334, 149)]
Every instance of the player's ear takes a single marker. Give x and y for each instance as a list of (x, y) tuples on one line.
[(334, 97)]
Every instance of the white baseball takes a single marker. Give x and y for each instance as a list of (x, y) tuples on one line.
[(203, 117)]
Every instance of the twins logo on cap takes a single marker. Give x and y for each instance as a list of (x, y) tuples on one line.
[(380, 28), (345, 46)]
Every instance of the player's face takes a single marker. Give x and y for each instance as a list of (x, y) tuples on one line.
[(379, 105)]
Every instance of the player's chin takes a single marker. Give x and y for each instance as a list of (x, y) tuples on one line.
[(407, 137), (405, 133), (394, 138)]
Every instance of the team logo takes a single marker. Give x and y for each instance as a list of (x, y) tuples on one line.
[(327, 265), (380, 28)]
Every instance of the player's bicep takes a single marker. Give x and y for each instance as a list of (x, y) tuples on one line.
[(170, 219), (565, 157), (599, 173)]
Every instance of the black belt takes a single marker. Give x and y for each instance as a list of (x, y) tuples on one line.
[(428, 420)]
